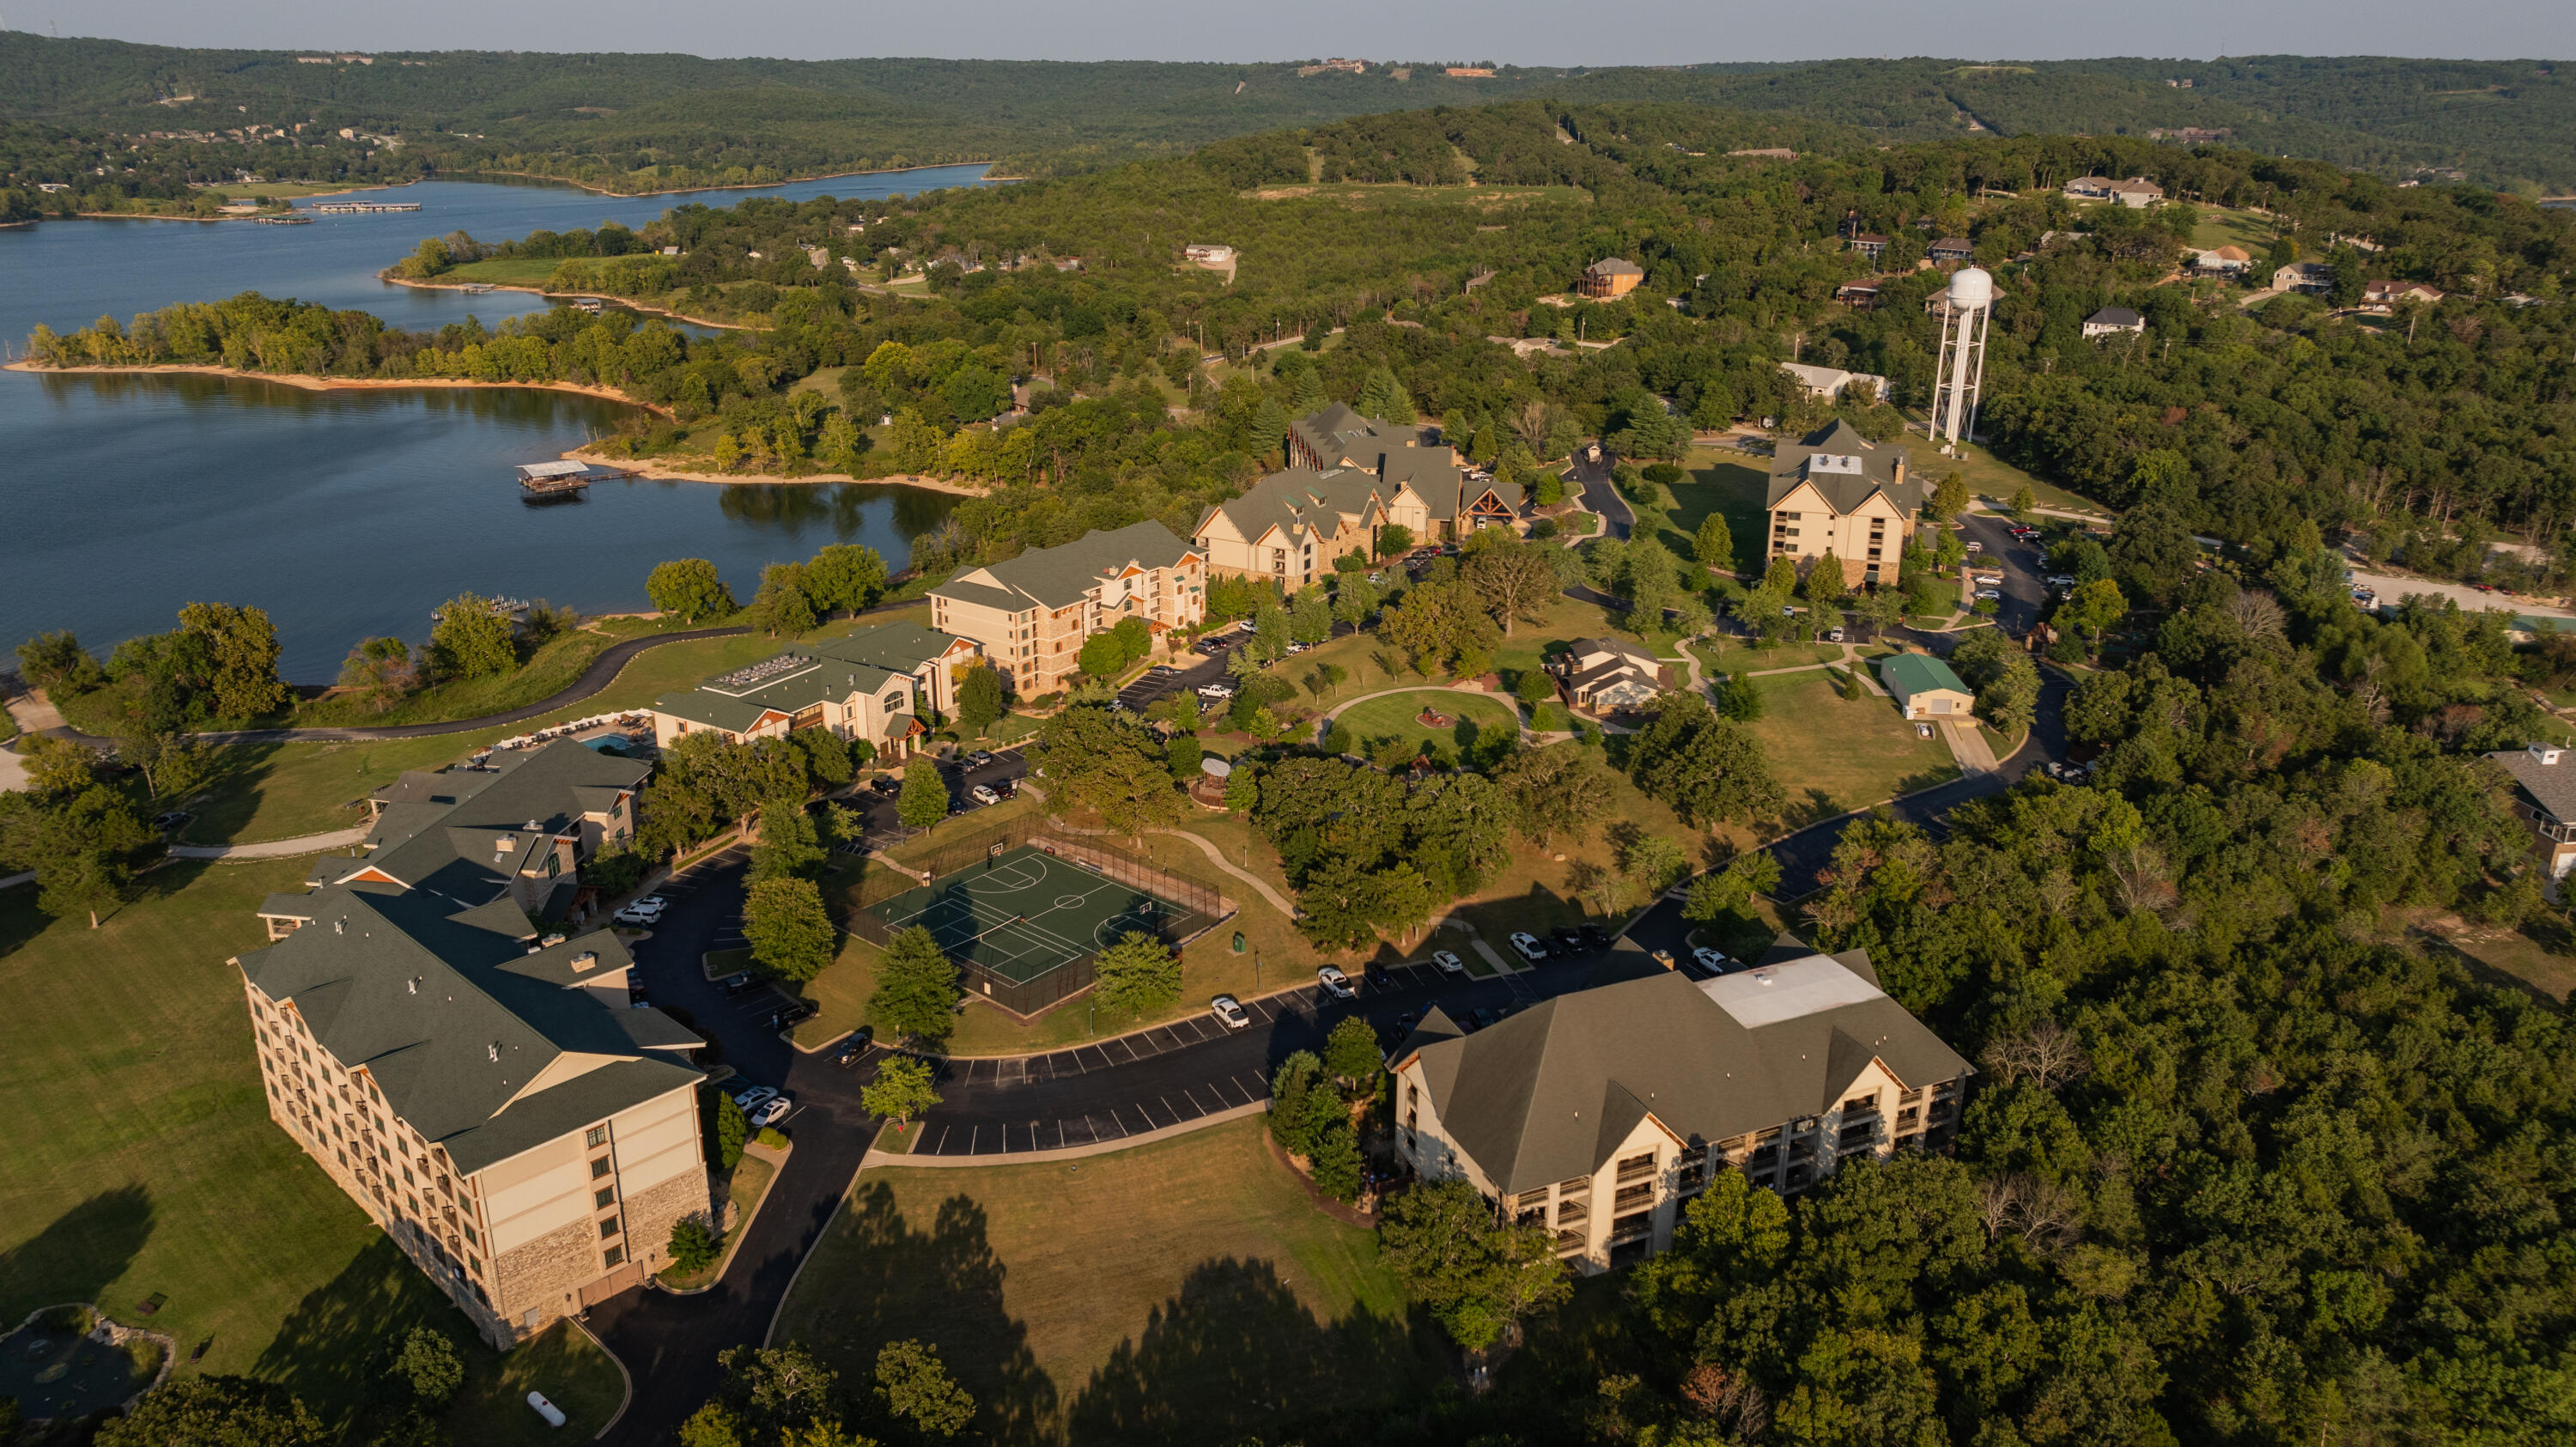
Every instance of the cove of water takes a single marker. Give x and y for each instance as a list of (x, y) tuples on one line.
[(350, 514)]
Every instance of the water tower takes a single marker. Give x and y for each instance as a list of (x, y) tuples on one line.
[(1962, 366)]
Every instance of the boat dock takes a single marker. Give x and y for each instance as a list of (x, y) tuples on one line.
[(352, 206), (553, 479)]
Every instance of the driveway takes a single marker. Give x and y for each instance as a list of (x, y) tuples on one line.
[(1593, 479), (2392, 589)]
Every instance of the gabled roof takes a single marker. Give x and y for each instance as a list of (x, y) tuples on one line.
[(1060, 577), (2115, 316), (2550, 786), (1919, 673), (1548, 1094), (1852, 469), (1339, 435), (1614, 266), (455, 1019), (1298, 501), (805, 674), (467, 831)]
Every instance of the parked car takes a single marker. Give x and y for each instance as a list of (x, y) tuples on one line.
[(1990, 595), (1483, 1018), (1833, 635), (1567, 937), (1230, 1013), (1448, 963), (1595, 937), (983, 794), (856, 1047), (1375, 973), (801, 1010), (643, 911), (1528, 947), (737, 982), (2059, 580), (979, 758), (1335, 983), (1216, 690), (1715, 962), (749, 1096), (885, 784), (1161, 670), (771, 1111), (171, 820), (1975, 547)]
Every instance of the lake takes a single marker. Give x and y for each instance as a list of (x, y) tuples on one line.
[(350, 514)]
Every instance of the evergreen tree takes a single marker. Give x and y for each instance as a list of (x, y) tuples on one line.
[(916, 993)]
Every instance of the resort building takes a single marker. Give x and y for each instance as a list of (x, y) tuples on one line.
[(1837, 496), (1029, 615), (484, 1088), (518, 828), (2544, 796), (876, 684), (1424, 486), (1599, 1114), (1290, 526)]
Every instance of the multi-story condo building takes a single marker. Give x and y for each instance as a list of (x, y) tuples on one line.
[(1599, 1114), (1031, 613), (483, 1090), (1839, 498), (1422, 483), (1290, 526), (875, 685)]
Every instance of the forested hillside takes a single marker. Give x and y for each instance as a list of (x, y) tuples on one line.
[(660, 122)]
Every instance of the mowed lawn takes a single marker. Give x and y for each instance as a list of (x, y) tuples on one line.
[(1833, 754), (140, 1160), (1184, 1291), (1719, 480), (1394, 716)]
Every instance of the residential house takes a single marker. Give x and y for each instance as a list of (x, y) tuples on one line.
[(2544, 796), (1290, 526), (1870, 244), (2387, 296), (1925, 688), (1836, 495), (2223, 261), (1605, 675), (2137, 192), (1031, 613), (1426, 488), (1858, 295), (518, 828), (1609, 278), (876, 684), (2313, 277), (1208, 253), (1599, 1114), (1830, 382), (2113, 321), (2089, 188), (1951, 248)]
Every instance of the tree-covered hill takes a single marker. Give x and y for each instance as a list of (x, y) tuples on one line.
[(655, 122)]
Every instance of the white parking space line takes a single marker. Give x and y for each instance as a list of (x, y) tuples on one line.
[(1193, 1100)]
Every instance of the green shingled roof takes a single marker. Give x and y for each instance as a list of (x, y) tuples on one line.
[(1913, 673)]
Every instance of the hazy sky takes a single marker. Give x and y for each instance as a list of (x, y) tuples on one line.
[(1528, 32)]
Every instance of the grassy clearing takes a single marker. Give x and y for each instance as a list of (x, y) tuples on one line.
[(1833, 754), (1114, 1298), (2219, 226), (1719, 480), (1393, 717), (1996, 481), (562, 1362), (550, 670), (511, 271), (146, 1163)]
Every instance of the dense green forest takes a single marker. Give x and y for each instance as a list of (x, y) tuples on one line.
[(661, 122)]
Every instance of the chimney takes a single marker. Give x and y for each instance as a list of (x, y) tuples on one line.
[(586, 960)]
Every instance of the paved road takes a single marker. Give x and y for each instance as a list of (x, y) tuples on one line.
[(1600, 496)]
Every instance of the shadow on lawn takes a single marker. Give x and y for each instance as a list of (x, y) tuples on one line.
[(1236, 1357), (331, 1348), (85, 1251)]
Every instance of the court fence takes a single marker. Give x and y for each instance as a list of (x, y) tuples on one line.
[(1198, 907)]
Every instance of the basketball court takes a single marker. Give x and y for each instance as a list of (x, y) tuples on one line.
[(1023, 913)]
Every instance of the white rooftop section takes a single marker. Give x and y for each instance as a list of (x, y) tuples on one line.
[(553, 469), (1786, 991), (1833, 462)]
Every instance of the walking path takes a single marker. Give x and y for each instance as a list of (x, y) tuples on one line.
[(273, 848), (1324, 725), (1217, 857)]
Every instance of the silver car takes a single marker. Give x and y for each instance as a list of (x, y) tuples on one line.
[(1229, 1012)]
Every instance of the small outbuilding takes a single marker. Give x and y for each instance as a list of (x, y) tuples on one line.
[(2113, 321), (1925, 688)]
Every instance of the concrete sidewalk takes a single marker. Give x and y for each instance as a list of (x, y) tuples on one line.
[(272, 848)]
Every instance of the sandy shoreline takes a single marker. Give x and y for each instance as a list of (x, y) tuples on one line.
[(387, 275), (309, 383), (645, 467)]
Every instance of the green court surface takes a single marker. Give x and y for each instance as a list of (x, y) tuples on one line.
[(1024, 913)]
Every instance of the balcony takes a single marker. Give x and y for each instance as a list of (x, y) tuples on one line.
[(1631, 1198), (1624, 1229), (1567, 1241), (1642, 1169), (1573, 1213)]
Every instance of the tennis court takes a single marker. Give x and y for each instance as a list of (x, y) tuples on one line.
[(1025, 913)]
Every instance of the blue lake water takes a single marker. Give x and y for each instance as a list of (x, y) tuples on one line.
[(349, 514)]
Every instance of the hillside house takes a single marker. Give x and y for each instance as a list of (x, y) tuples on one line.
[(1838, 499)]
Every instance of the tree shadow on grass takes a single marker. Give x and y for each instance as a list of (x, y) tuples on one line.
[(329, 1350), (943, 1286), (1815, 808), (85, 1251), (1236, 1357)]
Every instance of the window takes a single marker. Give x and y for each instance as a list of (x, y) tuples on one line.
[(596, 1137), (603, 1198), (599, 1168), (471, 1237), (608, 1260), (608, 1229)]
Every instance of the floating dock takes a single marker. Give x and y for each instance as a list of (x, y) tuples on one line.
[(553, 479), (354, 206)]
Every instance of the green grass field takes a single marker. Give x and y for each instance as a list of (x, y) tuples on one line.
[(1833, 754), (1716, 480), (1393, 717), (512, 271), (1179, 1291), (1367, 195), (143, 1162)]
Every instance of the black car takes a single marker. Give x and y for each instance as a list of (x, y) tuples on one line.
[(1594, 937), (1484, 1018), (856, 1047), (1567, 937), (1376, 974), (738, 982), (781, 1019), (886, 784)]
